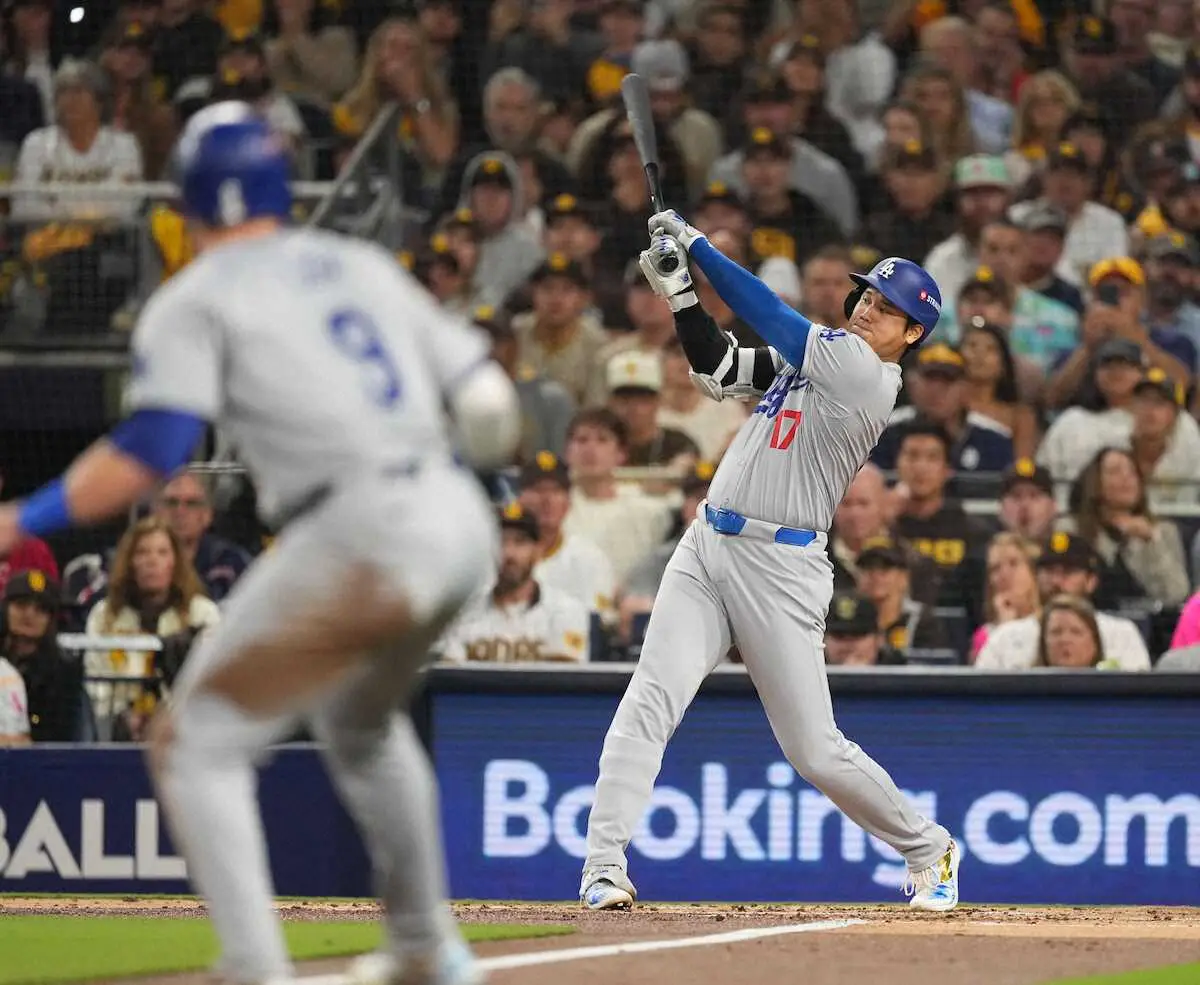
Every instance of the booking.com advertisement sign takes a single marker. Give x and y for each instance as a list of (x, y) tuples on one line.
[(1055, 800)]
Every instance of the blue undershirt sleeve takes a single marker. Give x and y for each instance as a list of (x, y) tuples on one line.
[(162, 440)]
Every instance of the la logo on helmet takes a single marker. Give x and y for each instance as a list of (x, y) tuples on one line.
[(887, 270)]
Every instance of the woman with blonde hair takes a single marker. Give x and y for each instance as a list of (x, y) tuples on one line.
[(1011, 589), (1047, 101), (942, 100), (398, 67), (152, 590)]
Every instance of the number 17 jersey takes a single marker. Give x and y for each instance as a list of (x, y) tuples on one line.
[(317, 356), (794, 457)]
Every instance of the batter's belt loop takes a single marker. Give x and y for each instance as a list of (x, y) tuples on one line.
[(733, 524)]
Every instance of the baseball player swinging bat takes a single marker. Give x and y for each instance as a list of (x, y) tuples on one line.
[(752, 569)]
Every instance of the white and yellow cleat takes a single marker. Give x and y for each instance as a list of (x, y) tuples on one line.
[(607, 887), (936, 888)]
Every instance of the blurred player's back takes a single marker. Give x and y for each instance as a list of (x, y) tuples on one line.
[(331, 359)]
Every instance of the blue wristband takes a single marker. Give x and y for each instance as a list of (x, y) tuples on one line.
[(46, 511)]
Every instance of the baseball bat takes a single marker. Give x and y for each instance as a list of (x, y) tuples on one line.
[(637, 107)]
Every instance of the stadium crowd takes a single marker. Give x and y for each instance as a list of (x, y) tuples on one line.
[(1035, 500)]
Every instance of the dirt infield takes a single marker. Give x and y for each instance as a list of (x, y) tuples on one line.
[(975, 945)]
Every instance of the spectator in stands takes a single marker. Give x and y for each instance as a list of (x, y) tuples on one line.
[(460, 233), (441, 23), (981, 194), (135, 106), (709, 424), (540, 40), (558, 337), (1066, 566), (79, 148), (801, 63), (14, 707), (186, 41), (520, 620), (309, 56), (1027, 505), (20, 115), (823, 285), (185, 503), (1045, 229), (1070, 636), (1181, 205), (767, 103), (785, 222), (852, 636), (939, 395), (53, 681), (570, 228), (1165, 440), (635, 382), (622, 520), (546, 406), (1093, 65), (652, 323), (441, 272), (991, 380), (948, 42), (1133, 20), (153, 589), (1171, 35), (1141, 557), (913, 221), (508, 254), (29, 53), (1080, 431), (934, 525), (860, 518), (1171, 263), (398, 66), (1187, 630), (717, 57), (997, 49), (989, 297), (1011, 590), (621, 24), (30, 554), (568, 563), (884, 578), (1046, 102), (641, 585), (1094, 231), (942, 101)]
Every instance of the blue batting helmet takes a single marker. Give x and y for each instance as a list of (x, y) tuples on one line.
[(231, 167), (906, 285)]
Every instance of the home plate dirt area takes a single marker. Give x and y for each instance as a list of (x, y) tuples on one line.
[(871, 945)]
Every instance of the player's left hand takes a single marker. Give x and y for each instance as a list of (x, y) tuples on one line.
[(10, 530), (676, 286), (671, 223)]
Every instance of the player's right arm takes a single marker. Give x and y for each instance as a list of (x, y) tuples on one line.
[(720, 367)]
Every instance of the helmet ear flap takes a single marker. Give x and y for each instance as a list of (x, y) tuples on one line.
[(856, 292)]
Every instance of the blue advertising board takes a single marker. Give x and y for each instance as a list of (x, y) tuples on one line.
[(84, 820), (1054, 799)]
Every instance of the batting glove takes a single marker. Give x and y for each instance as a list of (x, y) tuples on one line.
[(672, 224), (676, 286)]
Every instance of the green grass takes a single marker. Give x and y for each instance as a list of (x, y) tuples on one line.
[(1179, 974), (52, 949)]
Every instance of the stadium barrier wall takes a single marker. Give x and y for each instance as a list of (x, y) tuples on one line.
[(1062, 788)]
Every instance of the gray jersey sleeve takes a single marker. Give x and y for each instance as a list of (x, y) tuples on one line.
[(844, 368), (177, 357)]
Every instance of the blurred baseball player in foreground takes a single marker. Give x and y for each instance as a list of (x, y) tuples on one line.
[(752, 570), (328, 368)]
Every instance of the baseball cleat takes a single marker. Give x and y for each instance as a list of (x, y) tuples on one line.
[(452, 964), (936, 888), (606, 887)]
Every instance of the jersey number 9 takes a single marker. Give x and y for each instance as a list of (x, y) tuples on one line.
[(355, 333)]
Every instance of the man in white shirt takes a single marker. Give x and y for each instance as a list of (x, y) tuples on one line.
[(519, 620), (1066, 566), (77, 149), (569, 563), (621, 519)]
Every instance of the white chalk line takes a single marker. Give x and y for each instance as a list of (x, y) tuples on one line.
[(529, 959)]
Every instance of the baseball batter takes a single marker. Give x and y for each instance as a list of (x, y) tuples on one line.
[(328, 367), (753, 570)]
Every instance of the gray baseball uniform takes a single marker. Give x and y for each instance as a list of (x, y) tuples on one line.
[(327, 366), (752, 570)]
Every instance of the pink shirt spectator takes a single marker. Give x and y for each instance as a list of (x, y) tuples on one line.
[(1187, 630), (978, 638)]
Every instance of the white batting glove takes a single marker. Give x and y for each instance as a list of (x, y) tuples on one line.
[(676, 286), (672, 224)]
